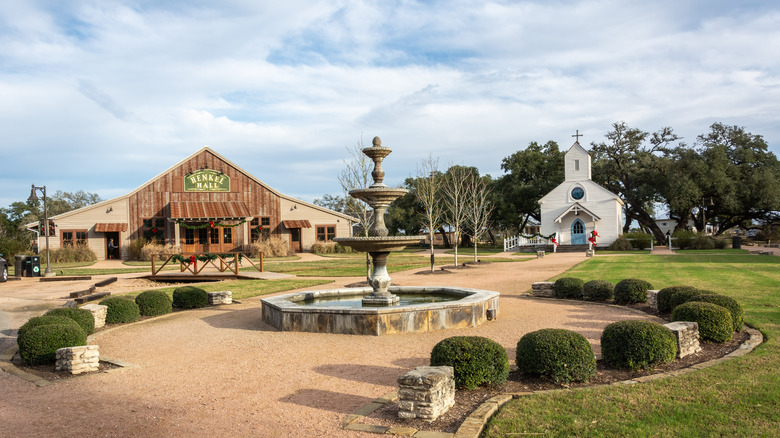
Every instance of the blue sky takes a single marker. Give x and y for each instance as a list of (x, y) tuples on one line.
[(103, 96)]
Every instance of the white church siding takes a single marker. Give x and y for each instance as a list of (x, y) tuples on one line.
[(580, 198)]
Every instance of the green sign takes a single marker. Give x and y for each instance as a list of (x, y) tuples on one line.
[(206, 180)]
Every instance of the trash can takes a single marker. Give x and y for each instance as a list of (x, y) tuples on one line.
[(33, 266), (736, 242), (19, 265)]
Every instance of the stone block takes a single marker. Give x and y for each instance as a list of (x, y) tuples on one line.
[(220, 297), (426, 392), (77, 360), (542, 289), (98, 312), (652, 299), (539, 254), (687, 335)]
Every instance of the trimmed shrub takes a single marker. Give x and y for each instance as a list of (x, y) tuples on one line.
[(682, 296), (637, 344), (597, 290), (620, 244), (190, 297), (556, 354), (640, 240), (476, 360), (703, 242), (683, 238), (734, 308), (715, 323), (631, 290), (120, 310), (153, 303), (82, 317), (721, 243), (39, 344), (568, 288), (44, 320), (665, 297)]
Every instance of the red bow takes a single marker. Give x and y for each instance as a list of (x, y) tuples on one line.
[(555, 242), (211, 223)]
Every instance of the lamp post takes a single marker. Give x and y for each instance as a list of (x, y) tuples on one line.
[(34, 198)]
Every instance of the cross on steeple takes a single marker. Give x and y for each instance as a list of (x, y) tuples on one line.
[(577, 136)]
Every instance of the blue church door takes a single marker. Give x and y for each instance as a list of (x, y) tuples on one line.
[(578, 233)]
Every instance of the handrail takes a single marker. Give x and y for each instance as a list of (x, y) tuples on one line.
[(226, 262)]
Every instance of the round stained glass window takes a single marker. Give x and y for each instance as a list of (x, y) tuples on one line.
[(577, 193)]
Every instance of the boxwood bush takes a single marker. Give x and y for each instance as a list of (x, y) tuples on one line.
[(153, 303), (597, 290), (620, 244), (682, 296), (665, 297), (190, 297), (39, 345), (120, 310), (568, 287), (476, 360), (558, 355), (734, 308), (637, 344), (83, 317), (715, 323), (38, 321), (631, 290)]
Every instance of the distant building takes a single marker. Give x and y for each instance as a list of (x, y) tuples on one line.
[(204, 203), (578, 206)]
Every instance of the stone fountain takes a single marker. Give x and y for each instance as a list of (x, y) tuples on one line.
[(376, 310), (378, 244)]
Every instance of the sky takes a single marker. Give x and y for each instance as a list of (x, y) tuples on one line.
[(104, 96)]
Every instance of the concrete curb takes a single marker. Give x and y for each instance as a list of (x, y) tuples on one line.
[(475, 423)]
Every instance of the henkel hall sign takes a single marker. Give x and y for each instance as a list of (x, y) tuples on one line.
[(207, 180)]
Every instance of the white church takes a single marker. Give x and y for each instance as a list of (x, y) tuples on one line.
[(578, 206)]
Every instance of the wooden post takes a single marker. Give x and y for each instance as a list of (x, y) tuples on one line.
[(153, 273), (235, 260), (261, 262)]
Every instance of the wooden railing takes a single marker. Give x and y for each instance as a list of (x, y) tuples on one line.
[(195, 262)]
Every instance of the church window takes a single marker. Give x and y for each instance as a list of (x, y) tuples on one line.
[(578, 228), (576, 164), (577, 193)]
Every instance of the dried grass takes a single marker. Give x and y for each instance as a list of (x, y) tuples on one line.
[(159, 250), (270, 247)]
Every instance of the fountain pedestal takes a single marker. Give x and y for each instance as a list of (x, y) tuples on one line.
[(380, 281)]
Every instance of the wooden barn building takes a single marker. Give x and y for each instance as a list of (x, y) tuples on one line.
[(205, 203)]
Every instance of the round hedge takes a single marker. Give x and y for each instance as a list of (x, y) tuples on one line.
[(568, 287), (637, 344), (556, 354), (39, 344), (120, 310), (153, 303), (682, 296), (665, 297), (190, 297), (44, 320), (83, 317), (597, 290), (476, 360), (631, 290), (734, 308), (715, 323)]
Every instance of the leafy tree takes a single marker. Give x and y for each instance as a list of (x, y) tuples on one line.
[(332, 202), (531, 174)]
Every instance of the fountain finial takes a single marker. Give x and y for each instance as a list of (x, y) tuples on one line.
[(377, 142)]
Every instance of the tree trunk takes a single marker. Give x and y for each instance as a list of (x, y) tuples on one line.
[(444, 237)]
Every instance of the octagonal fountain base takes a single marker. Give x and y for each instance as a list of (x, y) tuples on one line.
[(295, 312)]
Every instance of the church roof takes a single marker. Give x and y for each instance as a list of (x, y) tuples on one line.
[(577, 208)]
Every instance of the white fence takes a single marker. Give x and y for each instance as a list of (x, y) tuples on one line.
[(515, 242)]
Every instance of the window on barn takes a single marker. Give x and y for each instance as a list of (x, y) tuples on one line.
[(326, 233)]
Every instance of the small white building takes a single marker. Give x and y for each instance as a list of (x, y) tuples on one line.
[(578, 206)]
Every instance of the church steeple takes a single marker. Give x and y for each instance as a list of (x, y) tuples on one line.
[(577, 161)]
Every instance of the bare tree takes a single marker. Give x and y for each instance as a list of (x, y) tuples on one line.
[(357, 175), (428, 193), (455, 191), (479, 209)]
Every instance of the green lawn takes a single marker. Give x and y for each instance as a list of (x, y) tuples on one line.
[(740, 397), (247, 288)]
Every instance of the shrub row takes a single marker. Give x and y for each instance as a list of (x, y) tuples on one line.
[(627, 291)]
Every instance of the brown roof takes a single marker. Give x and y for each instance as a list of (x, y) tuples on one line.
[(297, 224), (209, 210), (110, 227)]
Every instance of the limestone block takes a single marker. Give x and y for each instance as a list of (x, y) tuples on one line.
[(76, 360), (426, 392), (98, 312), (539, 254), (221, 297), (652, 299), (687, 335), (542, 289)]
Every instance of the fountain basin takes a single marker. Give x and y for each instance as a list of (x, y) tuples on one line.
[(286, 313)]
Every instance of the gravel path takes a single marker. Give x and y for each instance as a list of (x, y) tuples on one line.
[(223, 372)]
